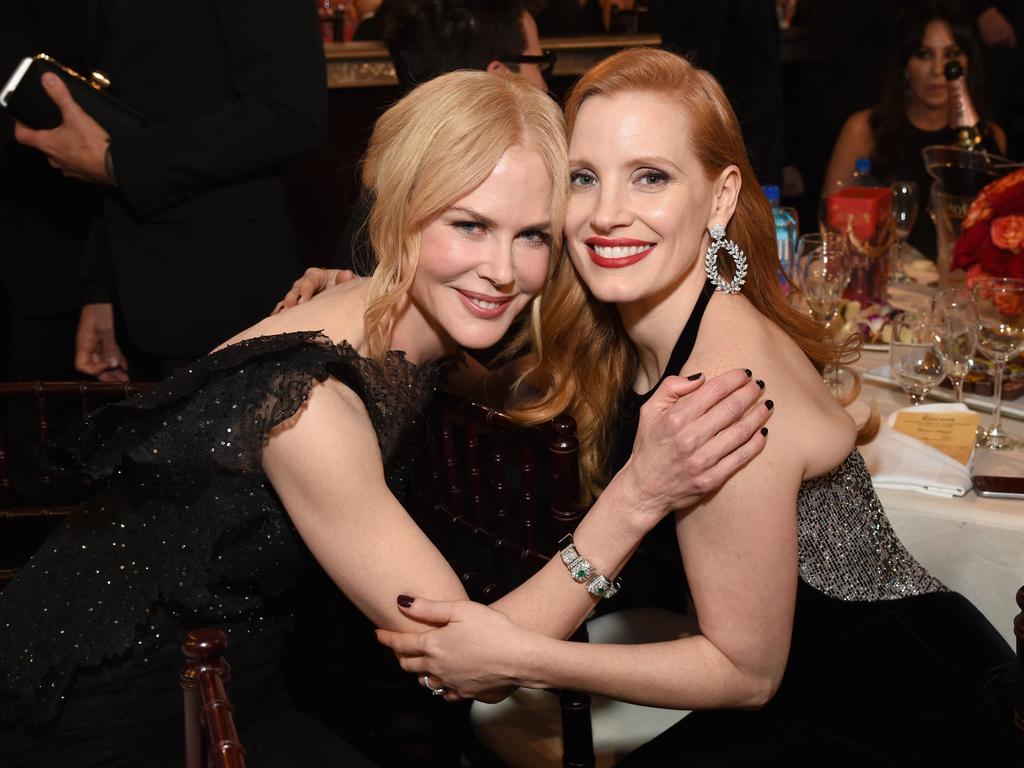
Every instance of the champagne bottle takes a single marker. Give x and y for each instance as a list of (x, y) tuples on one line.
[(963, 117)]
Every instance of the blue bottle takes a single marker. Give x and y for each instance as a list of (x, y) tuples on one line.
[(787, 231)]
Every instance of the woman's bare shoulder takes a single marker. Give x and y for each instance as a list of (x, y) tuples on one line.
[(805, 415), (338, 312)]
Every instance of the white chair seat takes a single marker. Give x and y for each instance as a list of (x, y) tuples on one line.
[(526, 728)]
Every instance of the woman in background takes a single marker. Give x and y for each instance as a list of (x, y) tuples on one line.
[(914, 110)]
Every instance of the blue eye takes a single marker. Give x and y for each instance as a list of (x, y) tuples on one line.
[(651, 177), (469, 227), (582, 178)]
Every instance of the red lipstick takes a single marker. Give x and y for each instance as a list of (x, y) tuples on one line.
[(629, 251)]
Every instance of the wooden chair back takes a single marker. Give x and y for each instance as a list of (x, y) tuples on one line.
[(32, 500), (496, 499), (211, 739)]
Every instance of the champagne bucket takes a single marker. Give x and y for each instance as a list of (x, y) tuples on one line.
[(959, 175)]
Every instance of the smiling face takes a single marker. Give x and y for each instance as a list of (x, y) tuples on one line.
[(926, 84), (640, 202), (486, 256)]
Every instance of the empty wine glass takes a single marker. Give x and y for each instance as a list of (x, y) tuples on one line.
[(913, 360), (824, 268), (1000, 305), (955, 326), (904, 214)]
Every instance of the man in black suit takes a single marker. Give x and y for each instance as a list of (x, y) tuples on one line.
[(45, 219), (194, 242)]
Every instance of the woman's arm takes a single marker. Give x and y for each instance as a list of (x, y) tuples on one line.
[(855, 140), (690, 440), (740, 551), (325, 466)]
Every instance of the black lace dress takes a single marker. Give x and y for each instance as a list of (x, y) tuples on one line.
[(184, 531), (886, 666)]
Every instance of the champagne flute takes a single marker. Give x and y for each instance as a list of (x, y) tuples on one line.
[(824, 269), (1000, 305), (913, 360), (823, 274), (955, 326), (904, 214)]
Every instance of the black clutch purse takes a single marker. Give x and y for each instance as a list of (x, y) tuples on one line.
[(24, 98)]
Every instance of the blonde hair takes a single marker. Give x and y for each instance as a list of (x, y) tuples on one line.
[(432, 148), (582, 356)]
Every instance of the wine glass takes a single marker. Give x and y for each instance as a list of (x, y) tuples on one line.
[(823, 272), (904, 214), (955, 329), (1000, 305), (824, 268), (913, 359)]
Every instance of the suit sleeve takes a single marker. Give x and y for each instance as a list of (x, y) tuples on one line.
[(277, 69)]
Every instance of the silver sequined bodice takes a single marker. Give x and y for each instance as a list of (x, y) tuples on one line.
[(848, 549)]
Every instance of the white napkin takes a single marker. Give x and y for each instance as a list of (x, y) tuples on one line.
[(902, 463)]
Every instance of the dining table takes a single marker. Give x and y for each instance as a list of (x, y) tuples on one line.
[(973, 544)]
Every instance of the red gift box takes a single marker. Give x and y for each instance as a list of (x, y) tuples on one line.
[(862, 208)]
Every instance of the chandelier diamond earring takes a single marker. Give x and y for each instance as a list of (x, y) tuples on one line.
[(719, 241)]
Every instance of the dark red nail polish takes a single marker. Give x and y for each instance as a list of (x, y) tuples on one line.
[(405, 601), (764, 431), (748, 372), (760, 383), (694, 376), (769, 404)]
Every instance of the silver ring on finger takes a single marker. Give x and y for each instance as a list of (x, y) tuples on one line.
[(440, 691)]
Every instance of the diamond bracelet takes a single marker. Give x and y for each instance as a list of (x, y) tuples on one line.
[(582, 571)]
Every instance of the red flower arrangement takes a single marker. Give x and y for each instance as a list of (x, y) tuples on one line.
[(991, 242)]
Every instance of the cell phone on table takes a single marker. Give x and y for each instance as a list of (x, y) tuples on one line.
[(996, 487)]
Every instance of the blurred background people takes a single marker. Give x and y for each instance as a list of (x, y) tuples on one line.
[(194, 241), (913, 111)]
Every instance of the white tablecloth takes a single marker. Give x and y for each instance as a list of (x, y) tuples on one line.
[(974, 545)]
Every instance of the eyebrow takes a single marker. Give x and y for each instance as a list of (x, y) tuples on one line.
[(479, 218)]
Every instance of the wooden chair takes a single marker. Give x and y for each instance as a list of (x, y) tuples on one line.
[(496, 498), (211, 739), (31, 503)]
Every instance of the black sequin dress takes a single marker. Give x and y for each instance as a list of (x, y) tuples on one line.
[(886, 667), (185, 531)]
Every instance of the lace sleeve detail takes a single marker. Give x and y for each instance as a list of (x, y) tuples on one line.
[(217, 413)]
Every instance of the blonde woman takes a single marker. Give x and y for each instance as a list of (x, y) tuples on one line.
[(809, 607), (292, 439)]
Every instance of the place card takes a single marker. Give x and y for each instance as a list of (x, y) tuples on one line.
[(951, 432)]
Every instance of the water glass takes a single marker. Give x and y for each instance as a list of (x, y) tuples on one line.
[(913, 359)]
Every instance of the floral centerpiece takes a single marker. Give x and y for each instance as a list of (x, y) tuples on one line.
[(991, 242)]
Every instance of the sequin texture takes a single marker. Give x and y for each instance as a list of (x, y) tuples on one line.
[(848, 549)]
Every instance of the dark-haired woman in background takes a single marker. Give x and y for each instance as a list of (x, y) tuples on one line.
[(914, 109)]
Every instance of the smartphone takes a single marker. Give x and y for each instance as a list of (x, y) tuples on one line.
[(999, 487), (14, 80)]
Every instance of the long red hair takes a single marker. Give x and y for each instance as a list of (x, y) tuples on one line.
[(582, 358)]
